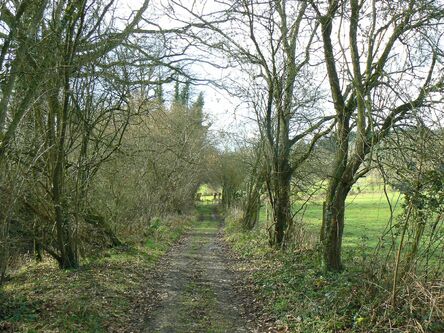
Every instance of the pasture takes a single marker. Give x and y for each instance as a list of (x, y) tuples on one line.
[(367, 215)]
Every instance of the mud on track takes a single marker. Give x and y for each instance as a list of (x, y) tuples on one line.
[(194, 290)]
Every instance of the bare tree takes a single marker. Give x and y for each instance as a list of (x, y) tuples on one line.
[(271, 41), (157, 169), (383, 61), (66, 84)]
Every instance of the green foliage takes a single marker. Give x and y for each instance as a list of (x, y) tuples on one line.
[(159, 94), (200, 102), (248, 242), (197, 109), (176, 92), (184, 97)]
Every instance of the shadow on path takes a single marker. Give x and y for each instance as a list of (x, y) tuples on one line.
[(196, 293)]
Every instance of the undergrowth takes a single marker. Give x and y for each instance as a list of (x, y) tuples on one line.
[(98, 297), (302, 297)]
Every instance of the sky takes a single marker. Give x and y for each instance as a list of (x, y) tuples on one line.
[(225, 112)]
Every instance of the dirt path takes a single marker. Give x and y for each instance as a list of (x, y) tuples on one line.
[(195, 291)]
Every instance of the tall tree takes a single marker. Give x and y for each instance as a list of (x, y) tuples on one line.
[(185, 94), (271, 41), (197, 109), (177, 92), (52, 50), (377, 81)]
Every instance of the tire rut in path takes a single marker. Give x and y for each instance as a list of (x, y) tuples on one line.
[(196, 290)]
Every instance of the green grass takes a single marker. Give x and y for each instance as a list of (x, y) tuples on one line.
[(302, 297), (207, 192), (366, 217), (97, 297)]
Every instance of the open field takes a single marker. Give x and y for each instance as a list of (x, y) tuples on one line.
[(304, 297), (366, 217)]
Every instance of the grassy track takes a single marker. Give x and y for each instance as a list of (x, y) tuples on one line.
[(197, 286), (98, 297)]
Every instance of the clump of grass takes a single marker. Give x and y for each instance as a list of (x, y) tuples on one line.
[(251, 242)]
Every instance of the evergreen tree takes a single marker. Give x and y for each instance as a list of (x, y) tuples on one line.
[(177, 93), (197, 108), (185, 94), (159, 93)]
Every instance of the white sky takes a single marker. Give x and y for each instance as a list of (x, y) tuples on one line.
[(225, 112)]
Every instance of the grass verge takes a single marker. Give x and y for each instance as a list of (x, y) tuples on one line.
[(98, 297), (302, 297)]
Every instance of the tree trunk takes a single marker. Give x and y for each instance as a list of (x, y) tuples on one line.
[(339, 186), (38, 246), (252, 204), (228, 195), (68, 254), (4, 241), (38, 251), (251, 210), (65, 241), (4, 248), (333, 228), (281, 205)]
